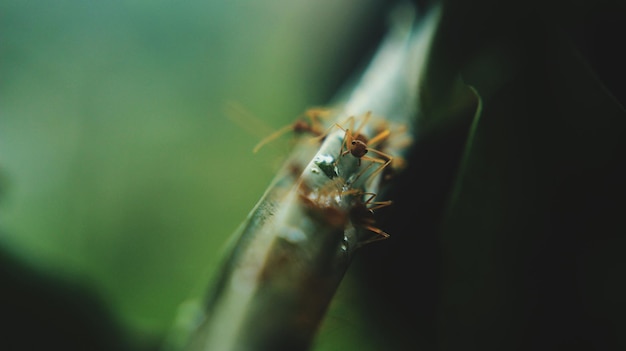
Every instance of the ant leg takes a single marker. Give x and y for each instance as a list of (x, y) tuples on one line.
[(325, 133), (347, 140), (387, 156), (373, 160), (382, 165), (380, 204), (347, 137), (379, 137), (315, 115), (381, 235), (377, 204), (361, 172), (363, 123), (351, 192), (272, 136), (370, 198)]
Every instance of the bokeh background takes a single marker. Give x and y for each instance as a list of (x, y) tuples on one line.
[(127, 128), (126, 136)]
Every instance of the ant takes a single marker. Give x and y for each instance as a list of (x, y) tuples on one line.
[(324, 202), (310, 122), (323, 205), (362, 216), (358, 146)]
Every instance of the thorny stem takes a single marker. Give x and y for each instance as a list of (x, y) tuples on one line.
[(295, 246)]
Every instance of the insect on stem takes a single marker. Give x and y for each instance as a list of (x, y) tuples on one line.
[(310, 122)]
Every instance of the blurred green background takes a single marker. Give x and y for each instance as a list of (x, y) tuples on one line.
[(124, 169), (124, 166)]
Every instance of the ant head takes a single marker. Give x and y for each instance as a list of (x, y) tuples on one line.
[(359, 148)]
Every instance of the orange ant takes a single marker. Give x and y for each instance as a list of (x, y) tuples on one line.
[(362, 216), (323, 203), (313, 126), (358, 145)]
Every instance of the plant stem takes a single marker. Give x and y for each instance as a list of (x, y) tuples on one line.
[(292, 251)]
